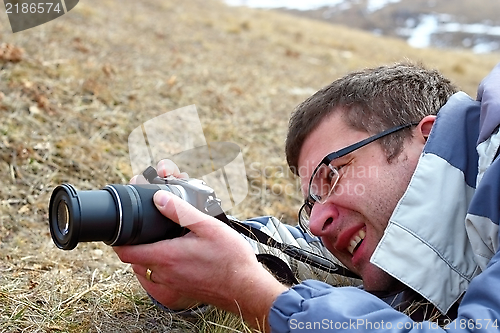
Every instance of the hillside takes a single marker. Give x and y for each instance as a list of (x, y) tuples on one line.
[(447, 24), (72, 90)]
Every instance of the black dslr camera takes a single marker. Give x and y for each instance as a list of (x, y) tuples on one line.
[(123, 214), (126, 215)]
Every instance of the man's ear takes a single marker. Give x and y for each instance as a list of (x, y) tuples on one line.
[(424, 127)]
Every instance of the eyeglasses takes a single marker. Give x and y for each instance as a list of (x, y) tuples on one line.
[(326, 176)]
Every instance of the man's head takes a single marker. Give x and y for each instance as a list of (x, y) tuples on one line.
[(372, 100), (351, 219)]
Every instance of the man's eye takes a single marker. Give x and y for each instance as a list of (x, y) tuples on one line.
[(333, 172), (338, 172)]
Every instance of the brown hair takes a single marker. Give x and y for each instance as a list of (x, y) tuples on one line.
[(372, 100)]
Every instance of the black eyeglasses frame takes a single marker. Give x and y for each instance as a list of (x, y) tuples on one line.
[(310, 201)]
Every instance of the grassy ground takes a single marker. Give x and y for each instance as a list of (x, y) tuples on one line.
[(72, 90)]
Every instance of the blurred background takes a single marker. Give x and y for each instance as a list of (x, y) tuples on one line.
[(446, 24)]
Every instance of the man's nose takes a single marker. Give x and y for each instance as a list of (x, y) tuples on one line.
[(322, 216)]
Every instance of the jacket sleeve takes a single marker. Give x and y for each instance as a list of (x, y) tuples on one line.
[(295, 236), (313, 306)]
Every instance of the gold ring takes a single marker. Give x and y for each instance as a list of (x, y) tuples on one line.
[(148, 275)]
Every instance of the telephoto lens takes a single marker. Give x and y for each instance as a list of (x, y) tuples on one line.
[(116, 215)]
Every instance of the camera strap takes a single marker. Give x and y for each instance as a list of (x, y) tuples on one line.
[(278, 266)]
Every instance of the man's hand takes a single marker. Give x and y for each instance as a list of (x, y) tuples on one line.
[(165, 168), (212, 264)]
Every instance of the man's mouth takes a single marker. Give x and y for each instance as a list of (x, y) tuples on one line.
[(356, 240)]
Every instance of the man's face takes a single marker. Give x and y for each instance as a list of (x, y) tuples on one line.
[(352, 220)]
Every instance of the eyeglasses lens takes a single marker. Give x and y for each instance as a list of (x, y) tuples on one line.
[(321, 186), (322, 182), (304, 213)]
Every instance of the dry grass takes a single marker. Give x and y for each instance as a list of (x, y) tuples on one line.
[(73, 89)]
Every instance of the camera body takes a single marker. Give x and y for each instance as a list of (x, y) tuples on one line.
[(194, 191), (123, 214)]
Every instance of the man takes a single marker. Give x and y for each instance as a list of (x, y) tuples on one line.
[(400, 196)]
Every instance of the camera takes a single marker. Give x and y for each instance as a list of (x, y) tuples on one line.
[(123, 214)]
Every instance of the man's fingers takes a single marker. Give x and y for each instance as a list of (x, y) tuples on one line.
[(178, 210), (148, 255), (184, 175), (164, 168), (138, 179), (167, 168)]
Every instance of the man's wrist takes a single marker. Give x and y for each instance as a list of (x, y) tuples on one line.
[(256, 313)]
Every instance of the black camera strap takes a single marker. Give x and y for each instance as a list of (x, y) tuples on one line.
[(277, 265)]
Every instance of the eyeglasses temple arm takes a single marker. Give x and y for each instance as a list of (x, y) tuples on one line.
[(344, 151)]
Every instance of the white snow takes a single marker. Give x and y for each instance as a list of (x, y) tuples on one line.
[(420, 36), (293, 4), (418, 31)]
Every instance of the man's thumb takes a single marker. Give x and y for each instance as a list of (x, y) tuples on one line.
[(177, 209)]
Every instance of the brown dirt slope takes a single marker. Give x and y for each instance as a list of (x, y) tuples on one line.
[(72, 90)]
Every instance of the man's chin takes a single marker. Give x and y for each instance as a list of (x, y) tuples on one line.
[(376, 280)]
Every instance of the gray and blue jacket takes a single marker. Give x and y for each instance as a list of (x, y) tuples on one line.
[(441, 240)]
